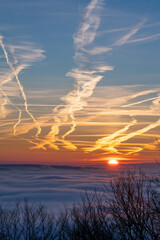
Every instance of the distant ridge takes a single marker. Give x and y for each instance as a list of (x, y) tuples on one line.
[(64, 167)]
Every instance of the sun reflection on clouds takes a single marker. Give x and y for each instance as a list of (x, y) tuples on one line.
[(105, 124), (89, 119)]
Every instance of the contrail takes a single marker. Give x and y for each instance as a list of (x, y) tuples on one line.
[(110, 142), (20, 112), (116, 142), (86, 80), (86, 77), (17, 70), (144, 39), (103, 141), (134, 150), (125, 39), (43, 144), (85, 35), (20, 87), (145, 100), (74, 124)]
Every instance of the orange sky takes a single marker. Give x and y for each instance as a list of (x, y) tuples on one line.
[(101, 104), (102, 132)]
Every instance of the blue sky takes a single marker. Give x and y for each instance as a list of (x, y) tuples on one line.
[(71, 68), (51, 24)]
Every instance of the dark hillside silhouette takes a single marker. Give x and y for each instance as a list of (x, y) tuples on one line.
[(129, 209)]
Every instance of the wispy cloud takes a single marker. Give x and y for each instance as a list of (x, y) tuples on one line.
[(112, 142), (97, 50), (86, 78), (123, 29), (139, 102), (90, 23), (3, 110), (100, 143), (21, 59), (127, 36), (144, 38), (78, 107)]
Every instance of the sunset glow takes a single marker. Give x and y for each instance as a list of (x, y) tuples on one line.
[(79, 118), (65, 93), (113, 162)]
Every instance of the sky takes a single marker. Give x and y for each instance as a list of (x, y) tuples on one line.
[(79, 81)]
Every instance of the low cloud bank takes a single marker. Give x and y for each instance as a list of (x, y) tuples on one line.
[(57, 185)]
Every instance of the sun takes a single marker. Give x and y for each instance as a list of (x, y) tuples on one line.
[(113, 162)]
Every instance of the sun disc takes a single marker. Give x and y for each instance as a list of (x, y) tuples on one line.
[(113, 162)]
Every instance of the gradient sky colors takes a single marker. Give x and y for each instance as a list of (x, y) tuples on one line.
[(79, 81)]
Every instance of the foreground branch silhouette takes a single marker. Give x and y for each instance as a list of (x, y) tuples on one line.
[(127, 209)]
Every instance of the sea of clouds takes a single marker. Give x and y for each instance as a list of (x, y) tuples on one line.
[(58, 186)]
